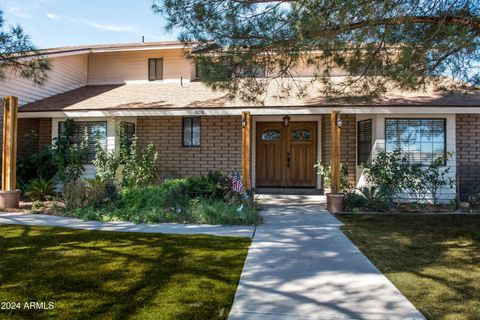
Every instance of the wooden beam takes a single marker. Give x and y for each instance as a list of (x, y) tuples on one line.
[(246, 149), (335, 152), (9, 147)]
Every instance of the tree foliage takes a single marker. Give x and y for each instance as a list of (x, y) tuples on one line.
[(409, 44), (18, 56)]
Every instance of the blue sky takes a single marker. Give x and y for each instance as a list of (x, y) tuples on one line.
[(53, 23)]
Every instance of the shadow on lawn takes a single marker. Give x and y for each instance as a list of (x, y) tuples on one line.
[(433, 259), (91, 274)]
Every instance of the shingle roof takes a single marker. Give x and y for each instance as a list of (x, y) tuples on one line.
[(197, 95), (112, 47)]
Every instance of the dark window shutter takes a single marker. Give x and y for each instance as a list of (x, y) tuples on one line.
[(151, 69), (364, 141), (158, 69)]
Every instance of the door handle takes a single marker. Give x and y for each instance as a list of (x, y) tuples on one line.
[(288, 159)]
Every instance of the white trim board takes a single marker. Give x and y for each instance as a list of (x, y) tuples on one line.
[(253, 111)]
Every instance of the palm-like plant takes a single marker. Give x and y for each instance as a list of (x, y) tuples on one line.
[(376, 198), (40, 189)]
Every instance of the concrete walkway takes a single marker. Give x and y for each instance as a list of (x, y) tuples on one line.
[(301, 266), (171, 228)]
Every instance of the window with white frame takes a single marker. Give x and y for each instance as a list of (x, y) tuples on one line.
[(191, 132), (420, 140), (96, 131)]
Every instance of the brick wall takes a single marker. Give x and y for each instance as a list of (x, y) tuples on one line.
[(27, 136), (221, 145), (32, 135), (44, 132), (468, 153), (348, 141)]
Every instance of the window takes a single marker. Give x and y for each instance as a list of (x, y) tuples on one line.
[(155, 69), (96, 130), (302, 134), (191, 132), (271, 134), (421, 140), (253, 70), (129, 132), (198, 72), (364, 141)]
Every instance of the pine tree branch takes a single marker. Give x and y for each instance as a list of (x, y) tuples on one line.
[(471, 23)]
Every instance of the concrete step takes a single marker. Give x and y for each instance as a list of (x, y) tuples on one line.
[(289, 191), (291, 198)]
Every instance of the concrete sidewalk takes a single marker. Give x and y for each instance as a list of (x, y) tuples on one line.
[(169, 228), (301, 266)]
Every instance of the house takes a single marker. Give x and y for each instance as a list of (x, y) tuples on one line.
[(153, 89)]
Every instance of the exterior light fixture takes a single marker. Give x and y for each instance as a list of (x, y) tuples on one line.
[(286, 121), (244, 121), (339, 121)]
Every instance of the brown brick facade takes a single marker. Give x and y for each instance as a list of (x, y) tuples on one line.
[(348, 141), (468, 153), (44, 132), (221, 145), (33, 135)]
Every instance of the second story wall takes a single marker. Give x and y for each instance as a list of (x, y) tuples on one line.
[(67, 73), (132, 66)]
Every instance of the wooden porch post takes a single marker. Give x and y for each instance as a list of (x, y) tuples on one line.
[(335, 152), (9, 196), (246, 149), (9, 147)]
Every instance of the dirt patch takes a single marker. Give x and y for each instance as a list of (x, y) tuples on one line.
[(50, 207)]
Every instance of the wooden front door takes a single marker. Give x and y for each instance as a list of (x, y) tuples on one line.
[(285, 156)]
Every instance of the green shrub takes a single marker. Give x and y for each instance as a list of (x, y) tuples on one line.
[(74, 194), (212, 211), (195, 186), (98, 193), (106, 164), (474, 198), (186, 200), (434, 177), (40, 189), (139, 170), (354, 200), (70, 156), (391, 170), (370, 198), (392, 173), (325, 172), (37, 165), (222, 184), (376, 198)]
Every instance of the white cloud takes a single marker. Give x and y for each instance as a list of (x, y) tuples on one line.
[(93, 24), (18, 12), (27, 9), (107, 27), (54, 16)]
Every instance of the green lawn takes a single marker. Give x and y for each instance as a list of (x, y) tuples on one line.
[(109, 275), (433, 260)]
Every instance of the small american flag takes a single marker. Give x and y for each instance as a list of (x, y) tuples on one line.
[(237, 184)]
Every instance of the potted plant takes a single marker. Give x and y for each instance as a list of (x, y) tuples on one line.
[(335, 195)]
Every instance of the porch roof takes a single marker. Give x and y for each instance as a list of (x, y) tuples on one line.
[(195, 95)]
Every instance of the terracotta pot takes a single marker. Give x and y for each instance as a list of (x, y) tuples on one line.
[(335, 202), (9, 199)]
